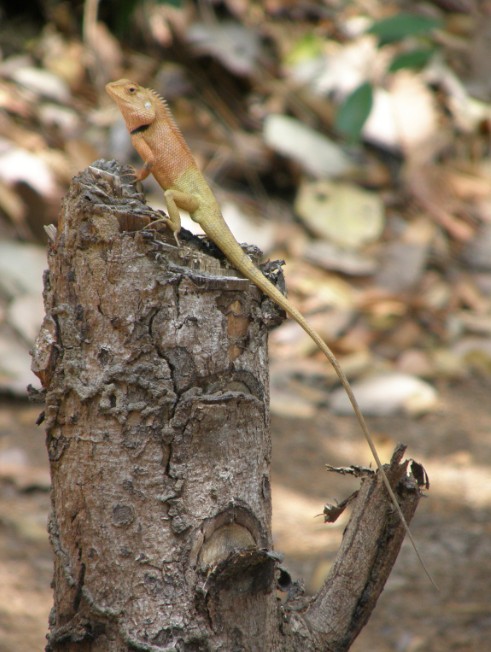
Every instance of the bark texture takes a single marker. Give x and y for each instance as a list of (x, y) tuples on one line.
[(154, 363)]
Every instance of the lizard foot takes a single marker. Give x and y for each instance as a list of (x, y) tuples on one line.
[(167, 223)]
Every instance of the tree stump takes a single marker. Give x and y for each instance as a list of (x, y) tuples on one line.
[(154, 363)]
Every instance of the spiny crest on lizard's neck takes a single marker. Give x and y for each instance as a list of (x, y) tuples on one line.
[(162, 104)]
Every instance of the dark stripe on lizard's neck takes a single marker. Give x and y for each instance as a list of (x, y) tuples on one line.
[(139, 130)]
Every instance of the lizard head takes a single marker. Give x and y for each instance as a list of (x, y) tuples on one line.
[(137, 104)]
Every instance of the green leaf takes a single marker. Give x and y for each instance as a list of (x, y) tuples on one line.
[(354, 111), (173, 3), (414, 59), (400, 26), (122, 17), (304, 49)]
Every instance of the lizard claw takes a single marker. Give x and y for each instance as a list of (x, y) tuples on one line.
[(166, 221), (132, 176)]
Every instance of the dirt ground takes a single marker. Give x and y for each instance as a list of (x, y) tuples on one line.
[(452, 524)]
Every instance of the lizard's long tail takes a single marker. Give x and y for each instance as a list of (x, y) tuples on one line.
[(244, 264)]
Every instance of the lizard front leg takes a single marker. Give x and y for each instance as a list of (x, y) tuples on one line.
[(173, 221)]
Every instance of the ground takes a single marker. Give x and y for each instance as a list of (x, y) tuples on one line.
[(452, 525)]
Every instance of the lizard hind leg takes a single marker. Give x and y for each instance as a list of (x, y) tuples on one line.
[(174, 199), (168, 222)]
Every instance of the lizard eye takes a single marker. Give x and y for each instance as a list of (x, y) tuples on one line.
[(132, 89)]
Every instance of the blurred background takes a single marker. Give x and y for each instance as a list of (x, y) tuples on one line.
[(350, 139)]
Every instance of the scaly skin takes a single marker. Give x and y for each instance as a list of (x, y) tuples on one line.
[(161, 145)]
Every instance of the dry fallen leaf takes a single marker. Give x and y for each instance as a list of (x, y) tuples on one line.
[(316, 153), (341, 212), (404, 117), (387, 394)]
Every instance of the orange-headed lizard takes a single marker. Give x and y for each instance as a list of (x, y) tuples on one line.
[(161, 145)]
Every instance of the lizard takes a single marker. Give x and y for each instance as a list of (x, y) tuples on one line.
[(161, 145)]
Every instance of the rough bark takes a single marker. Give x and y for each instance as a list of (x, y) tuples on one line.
[(154, 363)]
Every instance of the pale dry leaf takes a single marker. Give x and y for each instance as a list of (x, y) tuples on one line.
[(331, 257), (236, 47), (320, 288), (342, 213), (291, 340), (387, 394), (404, 117), (17, 165), (43, 83), (316, 153), (64, 119), (342, 67)]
